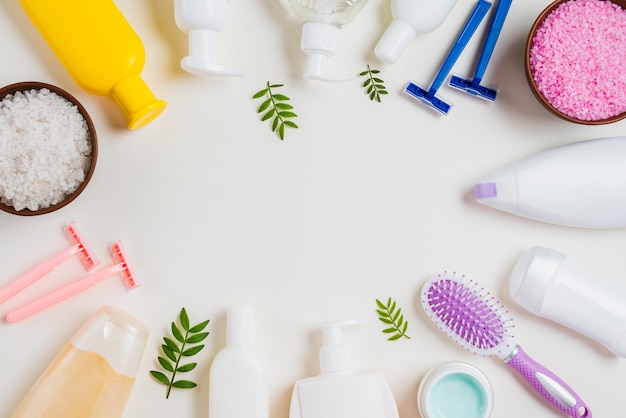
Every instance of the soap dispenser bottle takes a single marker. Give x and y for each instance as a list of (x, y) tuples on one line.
[(202, 20), (339, 391), (322, 20), (237, 378)]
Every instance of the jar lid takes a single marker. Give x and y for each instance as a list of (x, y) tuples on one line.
[(455, 390)]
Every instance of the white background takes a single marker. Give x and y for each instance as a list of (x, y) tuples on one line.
[(365, 200)]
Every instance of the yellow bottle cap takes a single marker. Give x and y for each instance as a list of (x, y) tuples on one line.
[(137, 101)]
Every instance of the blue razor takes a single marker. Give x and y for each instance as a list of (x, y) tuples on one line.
[(473, 86), (428, 96)]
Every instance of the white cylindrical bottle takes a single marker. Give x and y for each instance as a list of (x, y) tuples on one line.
[(237, 379), (582, 184), (202, 20), (410, 17), (550, 285), (94, 373)]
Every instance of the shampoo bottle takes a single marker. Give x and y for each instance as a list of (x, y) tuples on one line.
[(94, 373), (410, 17), (100, 50), (582, 184), (322, 20), (237, 379), (202, 20), (339, 391)]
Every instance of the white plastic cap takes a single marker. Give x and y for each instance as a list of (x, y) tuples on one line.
[(394, 41), (202, 58), (116, 336), (550, 285), (334, 356), (239, 325), (319, 41)]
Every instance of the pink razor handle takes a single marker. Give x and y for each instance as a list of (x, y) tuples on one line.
[(549, 385), (80, 247)]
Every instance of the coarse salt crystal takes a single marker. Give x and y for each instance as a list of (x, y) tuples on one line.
[(45, 149), (578, 59)]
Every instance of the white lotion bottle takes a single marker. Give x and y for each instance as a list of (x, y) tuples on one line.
[(410, 18), (202, 20), (322, 20), (551, 285), (339, 391), (237, 379), (582, 184)]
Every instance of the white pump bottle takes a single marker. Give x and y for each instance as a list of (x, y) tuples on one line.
[(322, 20), (410, 17), (339, 391), (202, 20)]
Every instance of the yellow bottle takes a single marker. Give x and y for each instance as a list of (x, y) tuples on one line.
[(94, 373), (100, 50)]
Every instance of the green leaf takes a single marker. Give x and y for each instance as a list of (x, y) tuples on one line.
[(192, 351), (201, 326), (184, 319), (269, 114), (366, 82), (187, 367), (264, 105), (184, 384), (196, 338), (174, 353), (169, 353), (160, 377), (391, 314), (177, 333), (373, 85), (260, 93), (171, 344), (165, 363), (275, 107)]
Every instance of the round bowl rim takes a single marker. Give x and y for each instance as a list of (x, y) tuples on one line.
[(37, 85)]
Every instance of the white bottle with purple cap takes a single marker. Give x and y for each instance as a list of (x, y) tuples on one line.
[(581, 184)]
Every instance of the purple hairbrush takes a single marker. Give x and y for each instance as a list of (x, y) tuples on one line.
[(475, 320)]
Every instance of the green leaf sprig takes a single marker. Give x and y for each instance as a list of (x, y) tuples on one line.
[(391, 314), (185, 344), (374, 86), (275, 106)]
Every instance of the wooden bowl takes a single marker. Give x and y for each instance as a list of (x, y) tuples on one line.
[(529, 76), (27, 86)]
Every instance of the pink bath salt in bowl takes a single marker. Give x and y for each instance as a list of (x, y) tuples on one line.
[(576, 60)]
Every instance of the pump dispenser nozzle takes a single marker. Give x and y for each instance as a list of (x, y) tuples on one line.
[(334, 356)]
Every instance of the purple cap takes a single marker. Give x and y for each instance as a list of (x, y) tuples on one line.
[(485, 190)]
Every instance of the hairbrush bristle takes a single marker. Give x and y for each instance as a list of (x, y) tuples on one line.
[(468, 314)]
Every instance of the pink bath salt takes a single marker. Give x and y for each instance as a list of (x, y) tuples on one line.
[(578, 59)]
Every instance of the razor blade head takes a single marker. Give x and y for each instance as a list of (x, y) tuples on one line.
[(128, 272), (474, 88), (86, 255), (428, 98)]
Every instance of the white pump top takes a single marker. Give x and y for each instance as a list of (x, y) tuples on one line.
[(319, 41), (202, 58), (334, 356)]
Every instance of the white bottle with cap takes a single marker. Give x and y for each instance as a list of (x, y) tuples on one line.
[(94, 373), (410, 17), (237, 378), (339, 391), (202, 20), (322, 20), (550, 285)]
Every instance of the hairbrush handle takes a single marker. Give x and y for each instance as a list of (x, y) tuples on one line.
[(548, 384)]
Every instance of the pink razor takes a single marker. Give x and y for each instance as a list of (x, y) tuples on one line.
[(80, 247), (122, 266), (475, 320)]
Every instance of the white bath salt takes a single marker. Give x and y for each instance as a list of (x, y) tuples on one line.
[(45, 149)]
